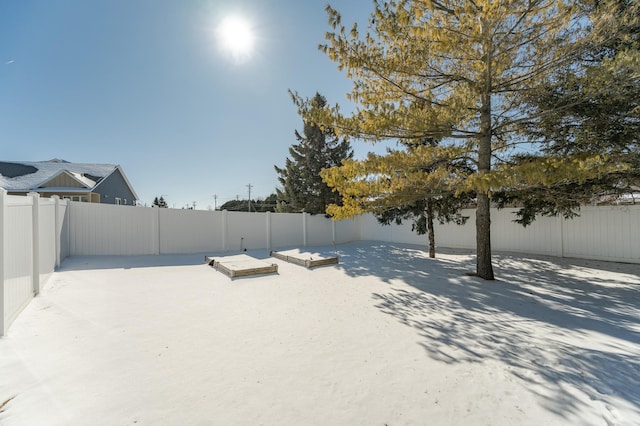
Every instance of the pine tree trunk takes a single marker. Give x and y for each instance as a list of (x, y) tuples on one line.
[(484, 269), (432, 238)]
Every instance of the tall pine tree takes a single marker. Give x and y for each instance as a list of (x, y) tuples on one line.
[(318, 148), (457, 71)]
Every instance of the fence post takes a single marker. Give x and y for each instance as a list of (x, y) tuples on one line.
[(333, 231), (71, 232), (35, 232), (268, 230), (225, 213), (561, 220), (304, 229), (57, 225), (155, 210), (3, 231)]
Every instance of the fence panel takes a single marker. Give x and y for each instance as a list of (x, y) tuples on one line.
[(286, 230), (104, 229), (543, 236), (371, 230), (451, 235), (62, 229), (606, 233), (47, 234), (18, 253), (347, 230), (404, 234), (246, 230), (190, 231), (319, 230)]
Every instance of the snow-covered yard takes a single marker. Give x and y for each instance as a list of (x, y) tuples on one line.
[(388, 336)]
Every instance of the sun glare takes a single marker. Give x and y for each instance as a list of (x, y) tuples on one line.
[(236, 38)]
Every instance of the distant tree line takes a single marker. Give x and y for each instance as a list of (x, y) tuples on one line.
[(260, 205)]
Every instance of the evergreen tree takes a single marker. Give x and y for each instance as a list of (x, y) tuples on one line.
[(269, 204), (160, 202), (458, 71), (318, 148), (402, 185), (592, 107)]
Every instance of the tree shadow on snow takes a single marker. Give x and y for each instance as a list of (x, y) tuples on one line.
[(553, 322)]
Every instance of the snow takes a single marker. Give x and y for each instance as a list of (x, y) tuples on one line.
[(388, 336), (89, 183), (48, 169), (241, 261)]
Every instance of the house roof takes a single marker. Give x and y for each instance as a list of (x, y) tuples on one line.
[(30, 175)]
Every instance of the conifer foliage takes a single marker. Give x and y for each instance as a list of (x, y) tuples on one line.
[(402, 185), (591, 108), (458, 71), (318, 148), (160, 202)]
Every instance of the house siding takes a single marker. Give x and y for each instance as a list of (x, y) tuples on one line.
[(112, 187), (62, 179)]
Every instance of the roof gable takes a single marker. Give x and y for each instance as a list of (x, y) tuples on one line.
[(66, 179), (124, 178)]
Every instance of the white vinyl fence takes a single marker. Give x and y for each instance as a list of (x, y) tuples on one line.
[(38, 233), (99, 229), (605, 232), (33, 234), (610, 233)]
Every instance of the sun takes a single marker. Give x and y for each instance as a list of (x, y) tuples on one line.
[(236, 38)]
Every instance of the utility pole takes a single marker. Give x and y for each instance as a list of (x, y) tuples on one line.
[(249, 186), (215, 199)]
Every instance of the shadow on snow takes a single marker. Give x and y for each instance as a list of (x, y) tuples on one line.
[(553, 322)]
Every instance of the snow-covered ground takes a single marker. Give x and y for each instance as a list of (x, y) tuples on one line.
[(388, 336)]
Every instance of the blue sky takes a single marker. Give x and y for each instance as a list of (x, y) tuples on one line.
[(143, 84)]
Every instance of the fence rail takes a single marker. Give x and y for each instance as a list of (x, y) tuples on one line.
[(37, 233)]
